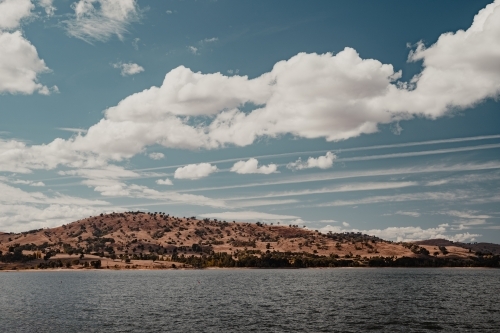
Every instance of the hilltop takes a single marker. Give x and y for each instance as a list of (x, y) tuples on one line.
[(147, 240)]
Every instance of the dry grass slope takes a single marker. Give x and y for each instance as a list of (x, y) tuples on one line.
[(153, 236)]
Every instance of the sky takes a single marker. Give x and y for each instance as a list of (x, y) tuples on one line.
[(375, 117)]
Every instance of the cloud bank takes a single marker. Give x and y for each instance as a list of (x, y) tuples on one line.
[(330, 96)]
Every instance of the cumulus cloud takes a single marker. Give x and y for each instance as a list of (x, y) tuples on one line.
[(19, 61), (345, 224), (330, 96), (195, 171), (13, 11), (48, 6), (156, 156), (128, 68), (460, 69), (164, 182), (322, 162), (20, 65), (99, 20), (251, 166)]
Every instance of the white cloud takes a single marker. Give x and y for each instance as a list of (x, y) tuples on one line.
[(258, 203), (420, 153), (156, 156), (128, 68), (446, 196), (14, 195), (412, 214), (21, 210), (369, 186), (438, 182), (111, 181), (184, 93), (195, 171), (328, 221), (460, 69), (468, 224), (169, 12), (362, 174), (19, 217), (248, 216), (322, 162), (193, 50), (251, 166), (135, 43), (345, 224), (98, 20), (210, 40), (331, 96), (71, 129), (28, 182), (164, 182), (470, 214), (20, 65), (13, 11), (48, 6)]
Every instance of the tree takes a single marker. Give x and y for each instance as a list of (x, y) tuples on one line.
[(443, 250)]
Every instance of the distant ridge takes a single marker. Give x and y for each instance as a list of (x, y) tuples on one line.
[(475, 247)]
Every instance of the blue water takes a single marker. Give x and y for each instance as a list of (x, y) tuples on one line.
[(308, 300)]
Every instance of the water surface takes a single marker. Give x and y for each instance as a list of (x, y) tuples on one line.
[(252, 300)]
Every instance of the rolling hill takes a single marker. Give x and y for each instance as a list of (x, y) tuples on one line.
[(149, 240)]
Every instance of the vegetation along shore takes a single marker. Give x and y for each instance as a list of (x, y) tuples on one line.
[(139, 240)]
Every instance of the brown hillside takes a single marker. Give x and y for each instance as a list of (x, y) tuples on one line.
[(474, 247), (138, 234)]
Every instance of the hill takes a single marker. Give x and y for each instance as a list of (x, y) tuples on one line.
[(149, 240), (474, 247)]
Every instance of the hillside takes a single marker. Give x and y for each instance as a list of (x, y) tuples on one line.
[(474, 247), (147, 240)]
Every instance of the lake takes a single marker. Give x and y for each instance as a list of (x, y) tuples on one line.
[(252, 300)]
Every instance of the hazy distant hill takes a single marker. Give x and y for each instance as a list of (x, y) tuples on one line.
[(475, 247), (133, 237)]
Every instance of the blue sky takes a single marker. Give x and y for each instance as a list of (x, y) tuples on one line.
[(380, 117)]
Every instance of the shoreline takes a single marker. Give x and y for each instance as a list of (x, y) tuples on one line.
[(224, 268)]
